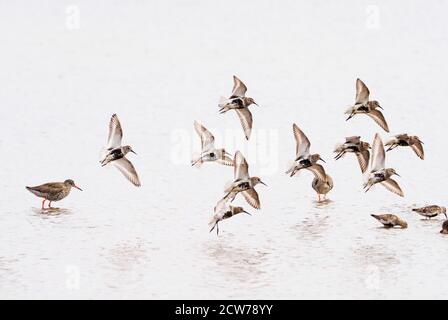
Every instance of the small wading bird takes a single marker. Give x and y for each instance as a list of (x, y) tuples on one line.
[(115, 153), (322, 187), (430, 211), (305, 160), (240, 103), (243, 182), (356, 146), (364, 106), (53, 191), (224, 211), (403, 140), (208, 151), (444, 227), (378, 172), (390, 220)]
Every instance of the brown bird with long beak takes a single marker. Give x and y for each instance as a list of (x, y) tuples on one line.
[(356, 146), (430, 211), (378, 172), (305, 160), (224, 211), (243, 182), (403, 140), (240, 103), (53, 191), (390, 220), (364, 106)]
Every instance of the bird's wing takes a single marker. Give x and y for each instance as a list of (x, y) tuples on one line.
[(127, 169), (378, 154), (379, 119), (353, 139), (221, 205), (227, 161), (246, 121), (363, 159), (302, 142), (418, 149), (239, 88), (402, 136), (318, 171), (393, 186), (362, 92), (207, 139), (115, 133), (251, 197), (241, 170)]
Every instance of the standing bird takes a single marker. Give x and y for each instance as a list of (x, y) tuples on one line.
[(243, 182), (364, 106), (240, 103), (390, 220), (322, 187), (208, 151), (53, 191), (378, 172), (305, 160), (115, 153), (444, 227), (430, 211), (356, 146), (224, 211), (404, 140)]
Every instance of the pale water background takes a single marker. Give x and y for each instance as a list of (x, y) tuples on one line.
[(65, 67)]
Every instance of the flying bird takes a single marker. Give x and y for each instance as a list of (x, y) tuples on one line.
[(378, 172), (208, 151), (356, 146), (365, 106), (404, 140), (224, 211), (53, 191), (243, 182), (115, 153), (240, 103), (305, 160)]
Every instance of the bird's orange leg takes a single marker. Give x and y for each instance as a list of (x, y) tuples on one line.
[(43, 204)]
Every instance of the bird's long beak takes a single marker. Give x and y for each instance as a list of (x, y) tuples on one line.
[(256, 104), (349, 117), (380, 107), (77, 188), (397, 174), (247, 213), (263, 183), (322, 160), (133, 152)]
